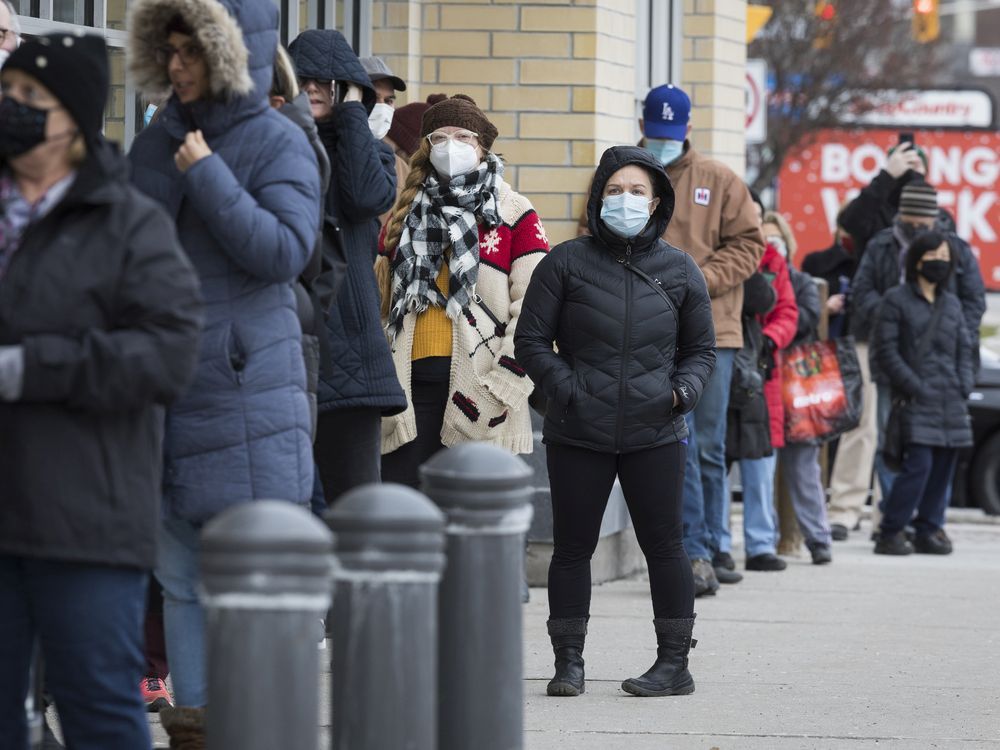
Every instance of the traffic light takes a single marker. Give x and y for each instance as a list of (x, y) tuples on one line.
[(826, 15), (926, 20)]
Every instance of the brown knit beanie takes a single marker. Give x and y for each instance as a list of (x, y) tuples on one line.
[(405, 128), (918, 199), (460, 112)]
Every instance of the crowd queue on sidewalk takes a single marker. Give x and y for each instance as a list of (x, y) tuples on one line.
[(290, 287)]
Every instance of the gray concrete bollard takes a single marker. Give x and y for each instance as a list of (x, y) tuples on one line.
[(486, 493), (266, 571), (389, 543)]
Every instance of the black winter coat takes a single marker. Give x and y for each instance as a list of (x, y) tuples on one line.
[(362, 187), (621, 349), (830, 265), (937, 385), (879, 272), (748, 422), (807, 300), (107, 308)]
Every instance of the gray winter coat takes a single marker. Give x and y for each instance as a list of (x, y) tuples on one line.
[(248, 217)]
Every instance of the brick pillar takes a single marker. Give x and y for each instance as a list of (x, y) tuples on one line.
[(556, 79), (714, 75)]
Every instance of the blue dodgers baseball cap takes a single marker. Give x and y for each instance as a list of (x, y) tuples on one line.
[(666, 112)]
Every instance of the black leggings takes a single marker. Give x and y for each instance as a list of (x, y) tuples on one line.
[(652, 482), (431, 387)]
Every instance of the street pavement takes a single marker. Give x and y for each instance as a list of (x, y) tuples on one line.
[(869, 652)]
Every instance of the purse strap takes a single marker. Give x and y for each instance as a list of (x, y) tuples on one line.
[(655, 283)]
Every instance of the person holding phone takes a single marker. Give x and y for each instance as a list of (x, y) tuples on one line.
[(242, 185), (360, 387)]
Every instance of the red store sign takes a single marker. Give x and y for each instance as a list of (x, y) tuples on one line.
[(816, 179)]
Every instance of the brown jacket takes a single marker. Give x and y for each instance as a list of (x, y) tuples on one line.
[(715, 222)]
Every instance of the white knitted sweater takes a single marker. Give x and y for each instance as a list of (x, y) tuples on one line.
[(489, 390)]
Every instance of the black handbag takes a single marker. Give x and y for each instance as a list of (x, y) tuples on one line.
[(894, 436)]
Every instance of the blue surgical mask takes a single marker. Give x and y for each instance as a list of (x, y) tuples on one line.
[(625, 214), (148, 114), (665, 150)]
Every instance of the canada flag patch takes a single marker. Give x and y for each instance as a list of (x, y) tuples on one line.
[(702, 196)]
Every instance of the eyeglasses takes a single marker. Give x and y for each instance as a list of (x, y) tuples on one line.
[(462, 136), (303, 82), (189, 54)]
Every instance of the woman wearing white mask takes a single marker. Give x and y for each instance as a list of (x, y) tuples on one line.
[(458, 251), (631, 322)]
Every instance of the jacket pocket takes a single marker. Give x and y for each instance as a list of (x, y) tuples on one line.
[(235, 354)]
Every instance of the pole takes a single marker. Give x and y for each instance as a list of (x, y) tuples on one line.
[(486, 494), (389, 553), (266, 568)]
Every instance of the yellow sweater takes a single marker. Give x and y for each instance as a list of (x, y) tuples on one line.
[(432, 329)]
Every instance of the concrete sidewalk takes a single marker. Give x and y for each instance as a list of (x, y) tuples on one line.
[(867, 652)]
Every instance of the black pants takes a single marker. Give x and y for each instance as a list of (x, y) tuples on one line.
[(652, 482), (431, 389), (348, 449)]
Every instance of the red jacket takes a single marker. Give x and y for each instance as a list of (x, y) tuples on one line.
[(779, 325)]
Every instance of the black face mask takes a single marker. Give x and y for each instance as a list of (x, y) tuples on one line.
[(935, 271), (21, 127)]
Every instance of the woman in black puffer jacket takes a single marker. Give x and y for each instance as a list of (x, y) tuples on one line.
[(631, 321), (936, 420)]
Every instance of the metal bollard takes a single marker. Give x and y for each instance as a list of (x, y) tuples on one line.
[(485, 492), (266, 571), (389, 545)]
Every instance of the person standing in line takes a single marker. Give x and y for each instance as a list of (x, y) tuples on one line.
[(935, 377), (242, 184), (361, 386), (778, 327), (386, 85), (458, 251), (631, 321), (99, 322), (716, 223), (799, 462), (883, 268)]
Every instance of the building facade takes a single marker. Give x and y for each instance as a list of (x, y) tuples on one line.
[(561, 80)]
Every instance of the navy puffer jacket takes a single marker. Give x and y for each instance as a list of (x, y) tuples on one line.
[(939, 383), (362, 187), (621, 349), (247, 216)]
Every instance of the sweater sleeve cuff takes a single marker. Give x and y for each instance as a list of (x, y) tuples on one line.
[(511, 387)]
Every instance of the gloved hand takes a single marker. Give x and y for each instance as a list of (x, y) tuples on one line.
[(11, 372), (767, 363)]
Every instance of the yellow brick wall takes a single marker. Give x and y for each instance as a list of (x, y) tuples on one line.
[(714, 70), (558, 79)]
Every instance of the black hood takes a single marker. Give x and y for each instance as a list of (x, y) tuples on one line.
[(612, 160), (326, 55)]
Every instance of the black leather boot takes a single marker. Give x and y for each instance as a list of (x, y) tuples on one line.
[(669, 675), (568, 636)]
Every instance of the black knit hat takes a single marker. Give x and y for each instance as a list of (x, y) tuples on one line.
[(74, 67), (918, 199), (460, 112)]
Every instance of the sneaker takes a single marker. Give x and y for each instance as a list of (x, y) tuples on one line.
[(821, 554), (154, 694), (839, 532), (768, 562), (705, 581), (893, 544), (935, 543)]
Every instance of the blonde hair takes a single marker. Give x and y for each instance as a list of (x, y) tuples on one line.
[(284, 80), (420, 167), (773, 217)]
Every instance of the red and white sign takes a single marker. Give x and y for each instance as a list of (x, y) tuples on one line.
[(756, 101), (925, 109), (816, 179)]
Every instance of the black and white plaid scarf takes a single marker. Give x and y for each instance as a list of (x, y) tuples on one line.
[(444, 214)]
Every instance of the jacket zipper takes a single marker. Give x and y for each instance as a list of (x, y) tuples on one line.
[(626, 350)]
